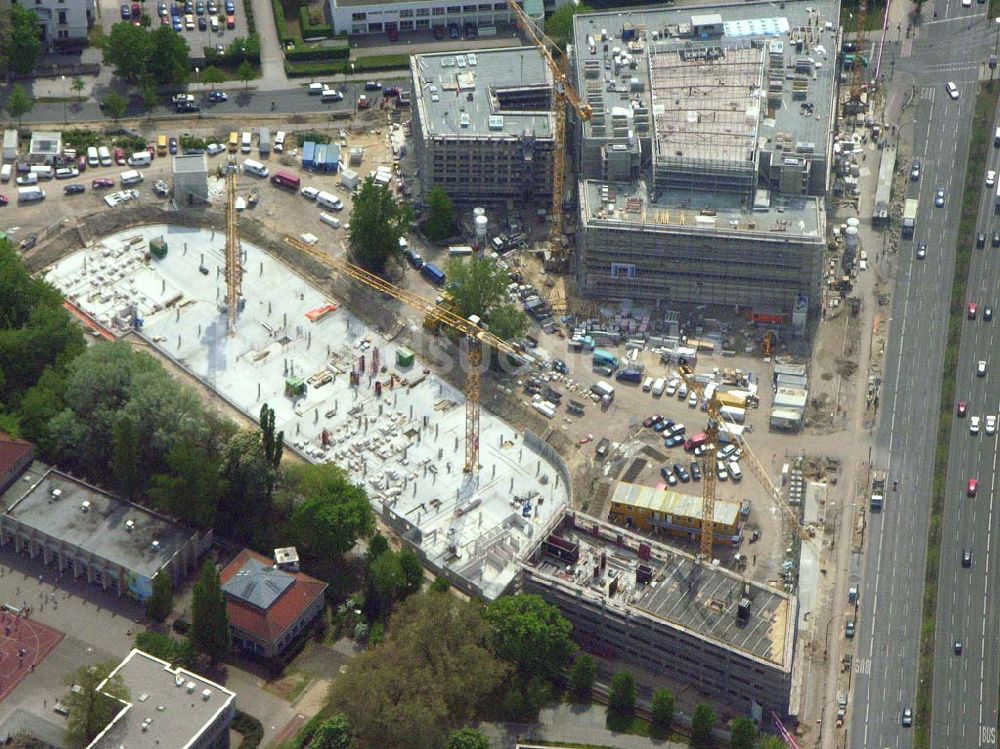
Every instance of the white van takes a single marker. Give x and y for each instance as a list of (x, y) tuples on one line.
[(255, 168), (279, 141), (602, 389), (330, 94), (92, 158), (734, 471), (5, 172), (246, 141), (43, 172), (329, 200), (104, 155), (329, 220), (133, 177), (315, 89), (647, 384), (658, 386), (140, 158), (30, 194)]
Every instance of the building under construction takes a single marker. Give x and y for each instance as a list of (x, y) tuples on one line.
[(667, 512), (483, 124), (640, 602), (705, 163)]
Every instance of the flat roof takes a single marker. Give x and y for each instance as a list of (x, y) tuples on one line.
[(443, 83), (101, 530), (629, 205), (190, 163), (642, 86), (685, 593), (167, 707), (675, 503)]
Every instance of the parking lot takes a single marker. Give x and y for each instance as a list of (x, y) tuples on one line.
[(197, 39)]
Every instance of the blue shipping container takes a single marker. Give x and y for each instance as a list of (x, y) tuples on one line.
[(433, 274), (308, 153)]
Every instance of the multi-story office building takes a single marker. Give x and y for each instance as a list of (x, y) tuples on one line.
[(406, 16)]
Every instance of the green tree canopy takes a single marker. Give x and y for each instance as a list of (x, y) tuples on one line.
[(440, 222), (26, 39), (377, 224), (332, 513), (19, 103), (622, 693), (743, 733), (559, 26), (426, 680), (149, 96), (78, 86), (161, 602), (115, 105), (209, 621), (479, 288), (333, 733), (192, 485), (128, 48), (213, 76), (245, 73), (173, 651), (169, 60), (702, 725), (468, 738), (662, 708), (91, 710), (6, 34), (531, 634), (246, 505), (582, 677), (771, 742)]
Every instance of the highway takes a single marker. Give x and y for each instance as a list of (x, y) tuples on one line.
[(884, 679)]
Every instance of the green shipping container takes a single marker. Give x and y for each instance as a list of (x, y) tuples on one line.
[(404, 357)]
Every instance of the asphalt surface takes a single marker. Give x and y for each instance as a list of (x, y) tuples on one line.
[(241, 102), (884, 679)]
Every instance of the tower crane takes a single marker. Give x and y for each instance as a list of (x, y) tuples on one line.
[(565, 95), (709, 475), (234, 255), (474, 333)]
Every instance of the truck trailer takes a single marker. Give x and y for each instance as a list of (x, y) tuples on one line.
[(910, 217)]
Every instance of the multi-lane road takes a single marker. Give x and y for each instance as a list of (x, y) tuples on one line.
[(885, 667)]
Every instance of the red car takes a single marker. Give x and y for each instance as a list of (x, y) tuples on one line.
[(136, 11), (151, 149), (4, 200), (973, 308), (102, 183), (962, 408), (120, 157), (651, 421), (230, 22), (970, 489)]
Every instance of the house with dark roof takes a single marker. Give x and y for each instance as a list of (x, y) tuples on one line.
[(268, 604)]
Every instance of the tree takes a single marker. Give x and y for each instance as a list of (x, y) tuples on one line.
[(582, 677), (468, 738), (161, 601), (19, 103), (426, 680), (175, 652), (333, 513), (559, 26), (125, 456), (333, 733), (246, 506), (702, 725), (168, 58), (209, 621), (6, 35), (128, 48), (743, 733), (384, 584), (213, 76), (271, 442), (531, 634), (91, 710), (78, 86), (377, 545), (192, 486), (480, 288), (148, 94), (662, 709), (508, 322), (621, 693), (440, 215), (245, 72), (771, 742), (26, 39), (377, 224), (115, 105), (412, 572)]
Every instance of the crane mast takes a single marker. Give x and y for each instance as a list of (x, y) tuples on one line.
[(234, 259)]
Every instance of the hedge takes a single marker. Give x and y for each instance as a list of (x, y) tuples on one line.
[(310, 30), (362, 64), (248, 10), (312, 54), (279, 22), (382, 62), (251, 729)]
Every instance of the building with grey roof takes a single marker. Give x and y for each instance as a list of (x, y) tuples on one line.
[(94, 536), (407, 16), (190, 175), (167, 707), (637, 601), (483, 124), (714, 125)]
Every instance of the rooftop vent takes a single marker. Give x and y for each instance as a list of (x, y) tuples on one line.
[(85, 506), (57, 494), (190, 687), (464, 119), (178, 680), (206, 694), (129, 525), (156, 545), (496, 122)]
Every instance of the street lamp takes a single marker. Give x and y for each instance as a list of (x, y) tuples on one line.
[(66, 119)]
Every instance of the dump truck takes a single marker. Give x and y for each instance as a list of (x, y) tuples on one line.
[(878, 491), (910, 217)]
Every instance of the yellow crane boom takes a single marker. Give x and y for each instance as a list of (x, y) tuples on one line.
[(234, 261), (564, 94), (475, 335)]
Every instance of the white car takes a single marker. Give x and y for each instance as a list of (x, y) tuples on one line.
[(693, 400), (309, 193), (980, 368), (991, 178), (952, 89), (214, 149), (67, 172), (966, 3), (991, 424), (974, 425)]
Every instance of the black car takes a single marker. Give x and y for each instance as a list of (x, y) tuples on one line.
[(987, 313), (28, 242), (373, 86), (74, 189), (660, 426), (202, 23), (187, 107), (560, 366), (980, 240), (695, 470), (682, 473)]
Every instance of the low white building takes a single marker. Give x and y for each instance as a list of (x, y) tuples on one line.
[(65, 23), (383, 16)]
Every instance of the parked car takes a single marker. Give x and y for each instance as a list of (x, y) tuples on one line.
[(173, 146), (120, 156), (202, 23), (67, 172), (74, 189), (218, 96), (230, 7), (4, 200), (28, 242), (103, 183), (214, 149), (309, 193), (230, 22), (373, 85), (126, 12)]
